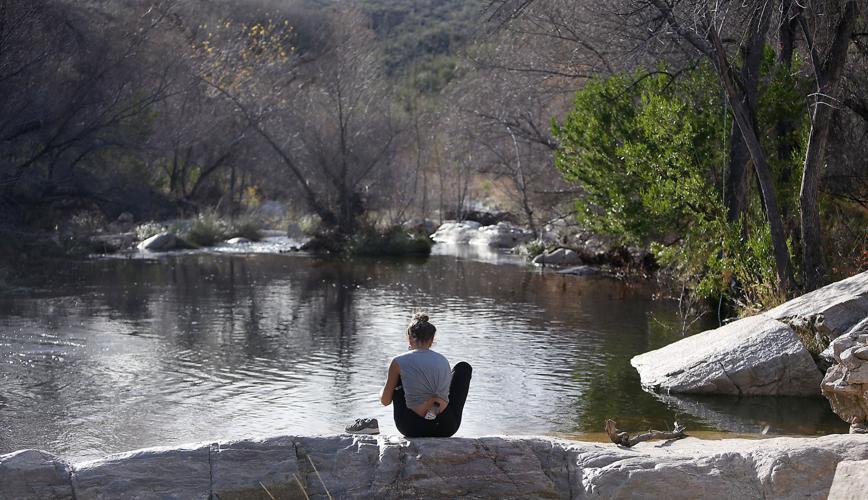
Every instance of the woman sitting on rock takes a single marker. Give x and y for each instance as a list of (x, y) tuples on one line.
[(427, 397)]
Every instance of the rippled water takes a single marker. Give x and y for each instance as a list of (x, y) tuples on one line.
[(116, 354)]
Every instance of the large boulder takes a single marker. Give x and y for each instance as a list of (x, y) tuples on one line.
[(558, 257), (456, 232), (752, 356), (489, 467), (833, 309), (243, 469), (161, 242), (760, 355), (34, 474), (501, 235), (851, 481), (167, 473), (846, 383)]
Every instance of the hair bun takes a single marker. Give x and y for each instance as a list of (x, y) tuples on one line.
[(420, 317)]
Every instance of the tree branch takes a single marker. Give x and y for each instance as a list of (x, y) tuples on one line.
[(621, 438)]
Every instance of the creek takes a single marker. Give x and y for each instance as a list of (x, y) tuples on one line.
[(114, 354)]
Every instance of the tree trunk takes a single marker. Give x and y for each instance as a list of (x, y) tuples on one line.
[(745, 118), (735, 197), (827, 75), (785, 126), (709, 43), (739, 156)]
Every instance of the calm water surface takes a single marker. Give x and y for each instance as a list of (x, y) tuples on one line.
[(111, 355)]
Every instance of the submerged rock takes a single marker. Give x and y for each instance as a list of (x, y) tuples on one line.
[(753, 415), (488, 467), (558, 257), (111, 243), (585, 271)]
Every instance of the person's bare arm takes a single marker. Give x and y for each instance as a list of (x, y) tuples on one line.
[(391, 382)]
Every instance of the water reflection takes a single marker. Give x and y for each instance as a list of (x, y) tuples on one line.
[(117, 354)]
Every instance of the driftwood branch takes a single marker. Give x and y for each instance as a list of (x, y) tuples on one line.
[(621, 438)]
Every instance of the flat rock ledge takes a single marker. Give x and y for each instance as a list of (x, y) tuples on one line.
[(487, 467), (759, 355)]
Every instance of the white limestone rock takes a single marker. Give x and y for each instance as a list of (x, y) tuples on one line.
[(845, 384), (851, 481), (34, 474), (752, 356), (387, 467), (501, 235), (456, 232), (761, 355), (842, 304), (161, 242), (166, 473)]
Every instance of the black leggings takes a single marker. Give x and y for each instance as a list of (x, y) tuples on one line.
[(447, 423)]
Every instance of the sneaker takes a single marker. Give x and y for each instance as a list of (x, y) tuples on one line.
[(364, 426)]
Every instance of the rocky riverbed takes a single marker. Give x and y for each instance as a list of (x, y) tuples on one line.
[(487, 467)]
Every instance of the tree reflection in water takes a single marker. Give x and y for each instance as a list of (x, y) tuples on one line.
[(112, 355)]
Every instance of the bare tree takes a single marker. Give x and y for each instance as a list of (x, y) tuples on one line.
[(71, 95), (322, 109), (345, 125), (828, 69)]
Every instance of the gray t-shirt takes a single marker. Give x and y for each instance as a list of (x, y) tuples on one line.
[(424, 374)]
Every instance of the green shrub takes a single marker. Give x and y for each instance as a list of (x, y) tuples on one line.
[(206, 230), (245, 227), (535, 248), (369, 240), (646, 151), (392, 241)]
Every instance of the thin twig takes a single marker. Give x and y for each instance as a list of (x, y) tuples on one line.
[(319, 477), (297, 480), (266, 491)]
